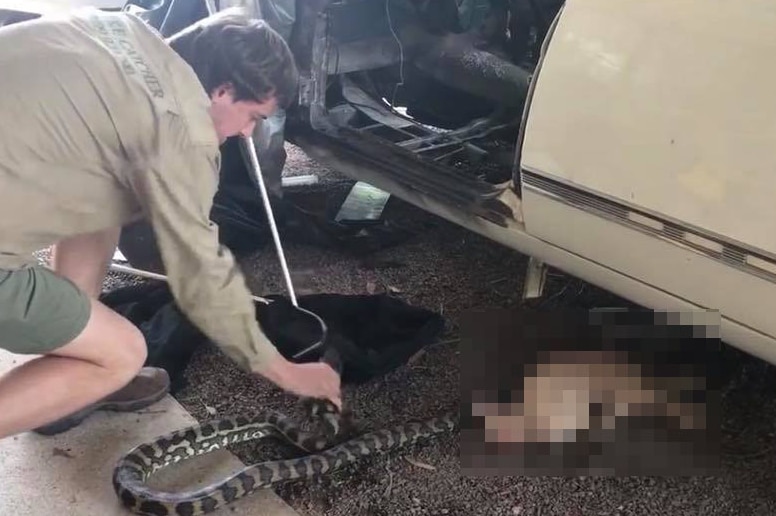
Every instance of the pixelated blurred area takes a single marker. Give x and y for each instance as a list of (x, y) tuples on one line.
[(590, 393)]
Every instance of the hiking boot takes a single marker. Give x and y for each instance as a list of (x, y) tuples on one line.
[(149, 386)]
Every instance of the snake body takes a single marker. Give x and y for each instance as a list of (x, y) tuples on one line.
[(133, 469)]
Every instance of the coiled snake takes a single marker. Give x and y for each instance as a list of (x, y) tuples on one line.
[(134, 469)]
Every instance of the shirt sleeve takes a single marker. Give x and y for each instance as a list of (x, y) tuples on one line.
[(176, 192)]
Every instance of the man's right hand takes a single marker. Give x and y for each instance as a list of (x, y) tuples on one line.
[(310, 380)]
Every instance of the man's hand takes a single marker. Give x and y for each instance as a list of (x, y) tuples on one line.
[(313, 380)]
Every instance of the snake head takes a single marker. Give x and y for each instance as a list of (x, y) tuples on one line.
[(335, 423), (317, 407)]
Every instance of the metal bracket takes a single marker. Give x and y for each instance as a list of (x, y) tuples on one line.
[(535, 277), (306, 90)]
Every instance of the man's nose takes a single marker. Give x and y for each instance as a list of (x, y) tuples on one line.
[(248, 131)]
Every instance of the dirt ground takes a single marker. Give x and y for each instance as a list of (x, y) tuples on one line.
[(449, 270)]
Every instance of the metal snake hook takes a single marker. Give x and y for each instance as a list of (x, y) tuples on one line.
[(248, 141)]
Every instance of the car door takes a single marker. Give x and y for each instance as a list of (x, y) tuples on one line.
[(648, 148)]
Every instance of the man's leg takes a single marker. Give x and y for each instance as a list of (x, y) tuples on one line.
[(83, 259), (91, 353), (102, 359)]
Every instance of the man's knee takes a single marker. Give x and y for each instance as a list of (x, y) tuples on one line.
[(110, 341), (134, 352), (128, 351)]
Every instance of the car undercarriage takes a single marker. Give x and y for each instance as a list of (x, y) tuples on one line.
[(430, 92)]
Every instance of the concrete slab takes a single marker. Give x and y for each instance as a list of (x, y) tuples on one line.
[(71, 472)]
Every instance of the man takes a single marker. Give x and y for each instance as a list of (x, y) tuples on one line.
[(105, 123)]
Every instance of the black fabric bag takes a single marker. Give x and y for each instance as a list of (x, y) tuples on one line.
[(372, 334)]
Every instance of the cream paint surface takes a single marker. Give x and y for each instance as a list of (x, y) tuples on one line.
[(71, 473), (663, 110)]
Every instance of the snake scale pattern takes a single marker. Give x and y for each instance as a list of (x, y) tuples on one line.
[(133, 469)]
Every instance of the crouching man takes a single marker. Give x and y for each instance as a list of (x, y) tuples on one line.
[(104, 122)]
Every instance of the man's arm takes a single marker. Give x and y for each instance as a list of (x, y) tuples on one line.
[(177, 195), (203, 276)]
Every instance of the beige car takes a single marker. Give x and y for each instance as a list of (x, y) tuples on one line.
[(647, 163), (646, 160)]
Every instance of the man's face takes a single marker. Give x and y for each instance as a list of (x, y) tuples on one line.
[(232, 118)]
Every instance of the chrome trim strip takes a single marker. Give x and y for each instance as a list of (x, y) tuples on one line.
[(709, 245)]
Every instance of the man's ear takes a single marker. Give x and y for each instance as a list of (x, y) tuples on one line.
[(222, 91)]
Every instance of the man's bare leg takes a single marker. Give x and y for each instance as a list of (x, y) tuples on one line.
[(84, 259), (102, 359)]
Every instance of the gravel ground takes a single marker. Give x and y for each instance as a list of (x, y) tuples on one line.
[(450, 270)]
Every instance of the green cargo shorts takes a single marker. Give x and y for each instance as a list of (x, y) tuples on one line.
[(39, 310)]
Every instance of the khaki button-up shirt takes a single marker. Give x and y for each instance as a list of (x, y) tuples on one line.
[(103, 124)]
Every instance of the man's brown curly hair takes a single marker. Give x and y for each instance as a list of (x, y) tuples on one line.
[(232, 48)]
